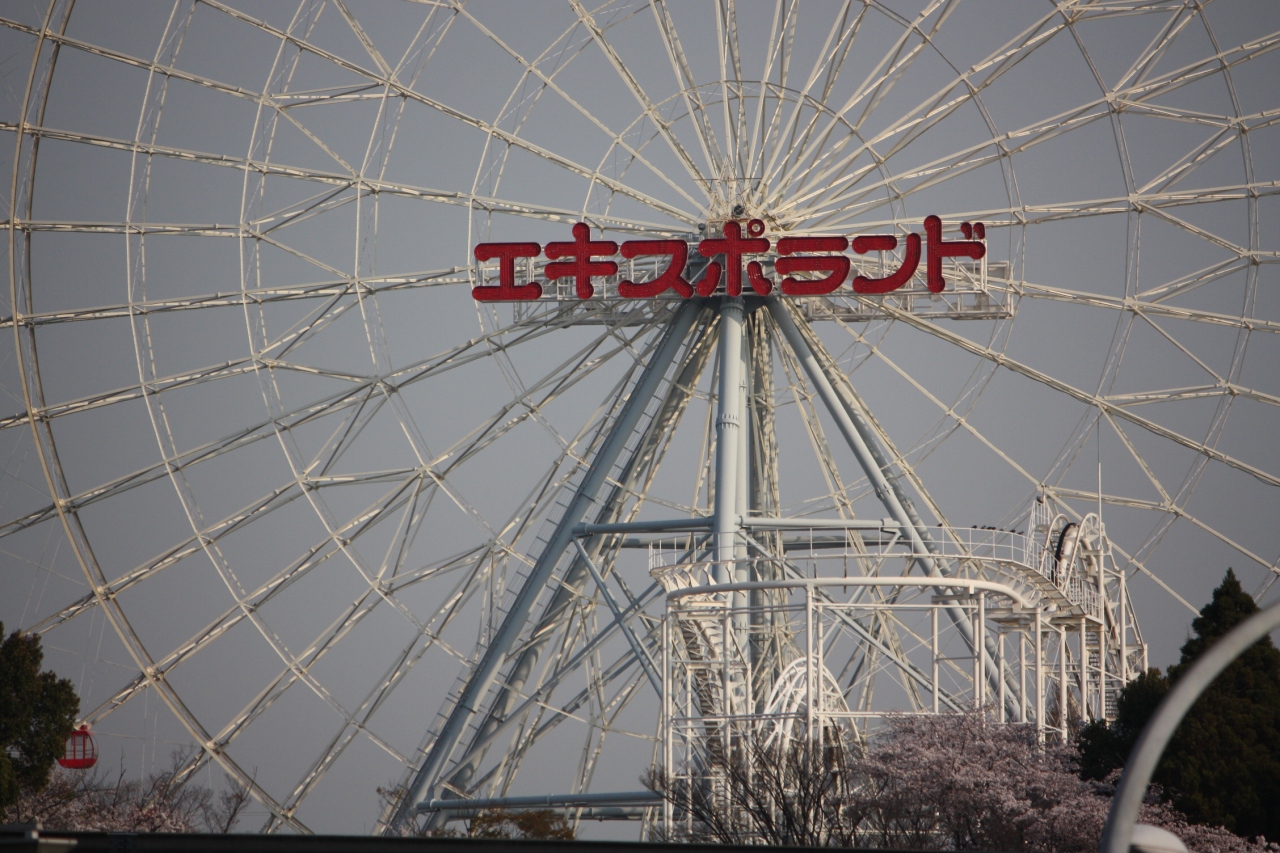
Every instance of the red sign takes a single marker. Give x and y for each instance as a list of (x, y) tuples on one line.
[(583, 259)]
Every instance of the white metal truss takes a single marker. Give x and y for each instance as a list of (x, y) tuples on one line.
[(260, 436)]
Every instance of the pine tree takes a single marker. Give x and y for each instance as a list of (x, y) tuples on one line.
[(1222, 766), (37, 713), (1103, 748)]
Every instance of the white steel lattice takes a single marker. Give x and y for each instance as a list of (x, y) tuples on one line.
[(278, 491)]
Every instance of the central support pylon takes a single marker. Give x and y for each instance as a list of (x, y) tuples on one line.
[(778, 627)]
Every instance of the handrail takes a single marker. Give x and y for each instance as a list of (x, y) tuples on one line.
[(969, 584)]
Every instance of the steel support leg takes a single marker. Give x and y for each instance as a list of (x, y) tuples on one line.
[(728, 436), (861, 440), (486, 669)]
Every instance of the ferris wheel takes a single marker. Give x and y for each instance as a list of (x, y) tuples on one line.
[(280, 487)]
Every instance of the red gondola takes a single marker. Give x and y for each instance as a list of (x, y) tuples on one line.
[(81, 752)]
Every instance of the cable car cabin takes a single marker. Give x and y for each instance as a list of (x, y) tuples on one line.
[(81, 752)]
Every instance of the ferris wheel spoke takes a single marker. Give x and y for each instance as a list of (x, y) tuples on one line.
[(1192, 280), (209, 746), (568, 711), (838, 493), (492, 130), (950, 412), (1219, 63), (292, 117), (1173, 511), (692, 97), (564, 668), (309, 413), (395, 673), (548, 80), (871, 92), (384, 68), (335, 288), (843, 187), (361, 183), (912, 125), (121, 395), (1167, 395), (828, 65), (1002, 360), (249, 604), (1156, 308), (1270, 566), (297, 671), (304, 330), (1181, 348), (551, 385), (1186, 166), (1118, 430), (777, 56), (845, 190), (1030, 214), (61, 40), (574, 369), (306, 413), (730, 76), (1159, 45), (326, 201), (651, 109), (876, 87)]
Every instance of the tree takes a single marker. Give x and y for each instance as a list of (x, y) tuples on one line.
[(947, 782), (544, 824), (1222, 766), (37, 713), (781, 794), (1104, 748), (523, 825), (163, 802)]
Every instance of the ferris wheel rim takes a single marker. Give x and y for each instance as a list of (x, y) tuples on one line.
[(995, 358)]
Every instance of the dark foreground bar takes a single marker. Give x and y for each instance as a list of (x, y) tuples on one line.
[(15, 839)]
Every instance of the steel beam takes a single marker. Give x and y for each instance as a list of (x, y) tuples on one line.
[(728, 437), (495, 654), (861, 440), (548, 801)]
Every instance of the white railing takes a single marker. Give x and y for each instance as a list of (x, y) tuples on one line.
[(668, 558)]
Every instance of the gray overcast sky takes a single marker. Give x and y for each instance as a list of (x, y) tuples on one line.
[(240, 232)]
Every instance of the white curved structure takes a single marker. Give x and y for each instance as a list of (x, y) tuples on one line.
[(279, 489)]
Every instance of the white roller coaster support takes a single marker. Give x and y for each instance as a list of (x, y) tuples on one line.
[(860, 440), (486, 670)]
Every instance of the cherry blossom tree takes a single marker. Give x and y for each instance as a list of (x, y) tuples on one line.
[(949, 782), (162, 802)]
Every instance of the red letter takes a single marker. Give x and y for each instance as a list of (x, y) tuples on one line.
[(506, 290), (581, 268), (939, 249), (672, 277), (733, 246), (887, 243), (836, 266)]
